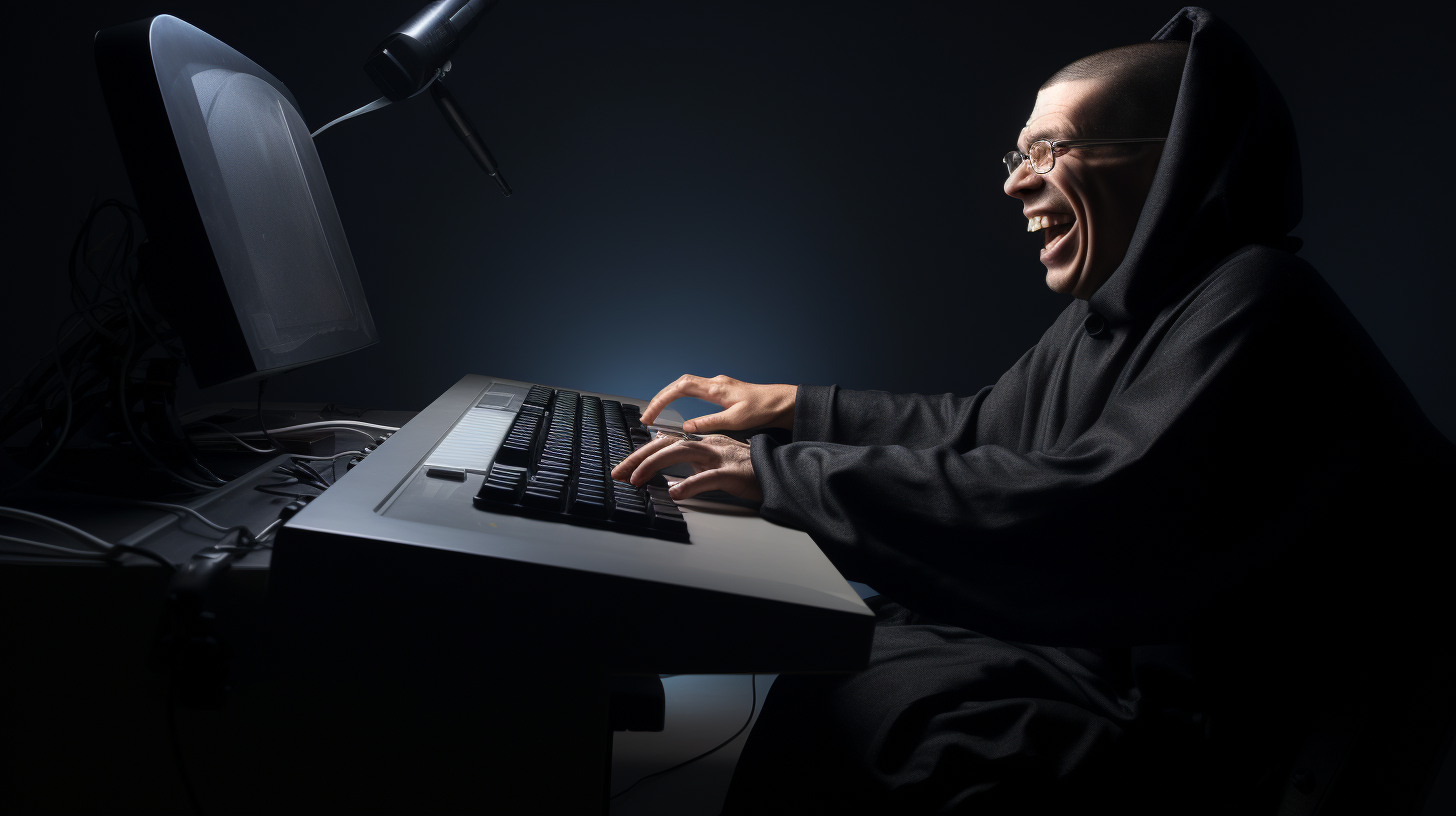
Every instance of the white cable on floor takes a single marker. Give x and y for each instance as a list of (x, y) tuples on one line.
[(752, 709)]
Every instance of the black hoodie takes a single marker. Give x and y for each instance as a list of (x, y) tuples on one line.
[(1209, 448)]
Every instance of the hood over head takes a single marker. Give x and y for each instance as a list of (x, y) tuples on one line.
[(1229, 175)]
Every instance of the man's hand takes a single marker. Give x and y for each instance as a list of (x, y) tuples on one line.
[(721, 464), (747, 405)]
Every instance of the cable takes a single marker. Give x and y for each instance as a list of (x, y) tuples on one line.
[(302, 477), (125, 409), (262, 384), (200, 468), (370, 436), (263, 488), (235, 437), (56, 524), (333, 456), (164, 506), (752, 708), (41, 359), (108, 550), (73, 366), (87, 554), (306, 468), (65, 427), (337, 424), (269, 530), (117, 550)]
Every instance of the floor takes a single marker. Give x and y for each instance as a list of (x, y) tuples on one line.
[(701, 711)]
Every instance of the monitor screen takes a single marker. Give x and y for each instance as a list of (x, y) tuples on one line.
[(269, 226)]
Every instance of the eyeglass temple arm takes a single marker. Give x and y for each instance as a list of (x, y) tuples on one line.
[(1088, 142)]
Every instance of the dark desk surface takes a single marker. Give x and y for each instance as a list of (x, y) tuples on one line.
[(79, 636)]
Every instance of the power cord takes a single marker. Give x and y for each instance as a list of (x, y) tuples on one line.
[(125, 410), (752, 709), (269, 489), (118, 322), (188, 648), (306, 468), (74, 532), (273, 446), (66, 426), (105, 550), (235, 437), (67, 552)]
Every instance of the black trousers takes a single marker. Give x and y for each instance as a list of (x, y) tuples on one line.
[(945, 720)]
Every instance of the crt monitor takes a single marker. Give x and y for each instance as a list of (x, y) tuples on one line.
[(247, 258)]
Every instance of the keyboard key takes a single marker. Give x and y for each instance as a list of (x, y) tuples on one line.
[(589, 506), (676, 525), (514, 475), (625, 514), (557, 458), (542, 499), (497, 493), (547, 480)]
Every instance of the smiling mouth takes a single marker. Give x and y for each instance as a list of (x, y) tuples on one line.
[(1053, 229), (1051, 236)]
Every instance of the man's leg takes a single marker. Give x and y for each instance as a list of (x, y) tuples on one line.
[(943, 719)]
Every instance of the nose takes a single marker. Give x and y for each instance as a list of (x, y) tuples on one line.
[(1022, 182)]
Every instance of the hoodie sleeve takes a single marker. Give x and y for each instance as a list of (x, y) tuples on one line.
[(995, 414), (1117, 534), (833, 414)]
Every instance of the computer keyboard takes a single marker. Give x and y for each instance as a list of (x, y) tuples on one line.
[(556, 460)]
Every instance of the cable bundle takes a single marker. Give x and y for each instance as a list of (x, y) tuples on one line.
[(90, 369)]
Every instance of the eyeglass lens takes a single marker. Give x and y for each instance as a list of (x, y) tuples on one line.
[(1040, 155)]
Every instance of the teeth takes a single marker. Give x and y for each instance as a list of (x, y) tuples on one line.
[(1041, 222)]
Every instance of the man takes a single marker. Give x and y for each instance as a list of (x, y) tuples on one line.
[(1202, 451)]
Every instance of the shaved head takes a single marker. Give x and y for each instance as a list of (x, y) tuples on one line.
[(1139, 87)]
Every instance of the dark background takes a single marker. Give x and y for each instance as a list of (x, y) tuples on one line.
[(793, 192)]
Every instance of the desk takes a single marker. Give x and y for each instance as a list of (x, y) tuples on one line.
[(431, 690)]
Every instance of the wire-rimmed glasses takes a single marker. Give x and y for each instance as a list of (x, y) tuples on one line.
[(1043, 153)]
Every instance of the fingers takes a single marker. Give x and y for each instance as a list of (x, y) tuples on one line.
[(685, 386), (700, 454), (714, 479), (728, 479), (624, 468), (733, 419)]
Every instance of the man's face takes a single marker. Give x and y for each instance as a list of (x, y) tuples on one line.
[(1093, 195)]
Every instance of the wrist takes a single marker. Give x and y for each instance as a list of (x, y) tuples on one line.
[(788, 395)]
